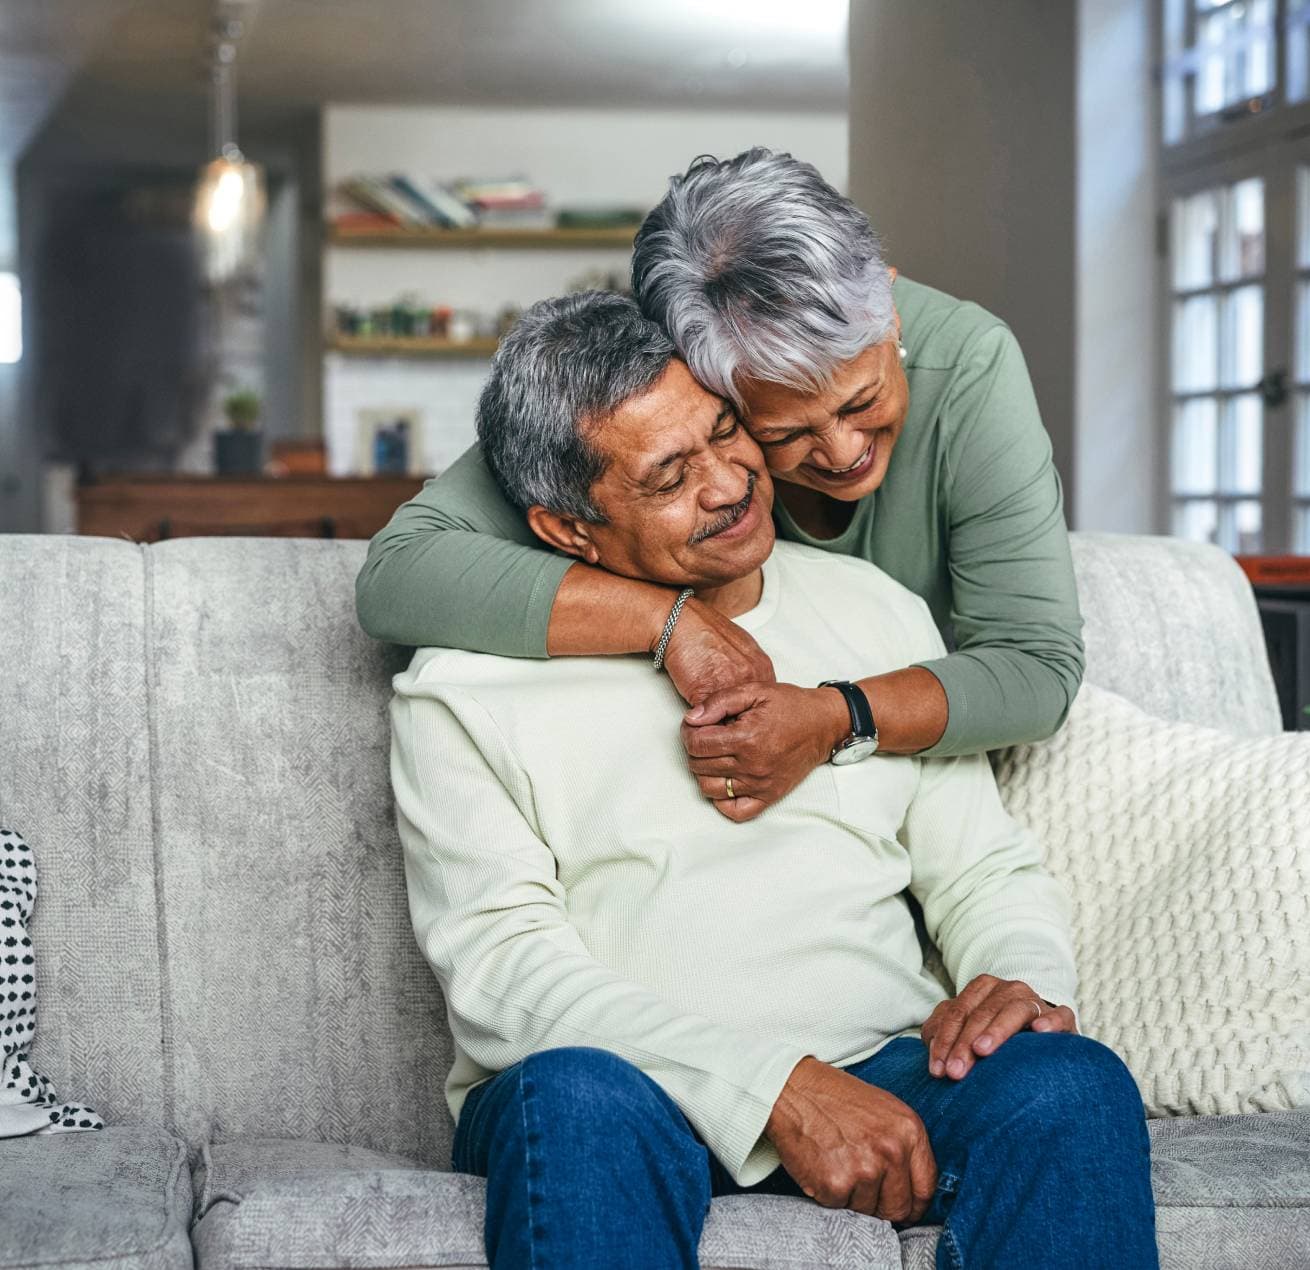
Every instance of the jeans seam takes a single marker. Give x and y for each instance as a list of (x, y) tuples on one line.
[(525, 1091), (952, 1247)]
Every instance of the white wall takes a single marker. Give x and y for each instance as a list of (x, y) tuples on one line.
[(1006, 151), (1117, 439), (962, 153), (576, 156)]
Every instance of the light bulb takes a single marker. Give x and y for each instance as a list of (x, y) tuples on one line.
[(225, 201)]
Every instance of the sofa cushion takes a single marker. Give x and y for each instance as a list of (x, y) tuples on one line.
[(1229, 1191), (1232, 1191), (1187, 854), (299, 998), (1172, 626), (227, 1172), (120, 1198), (311, 1206), (75, 781), (1255, 1161)]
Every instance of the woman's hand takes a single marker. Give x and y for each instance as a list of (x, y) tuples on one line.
[(978, 1021), (709, 652), (763, 737)]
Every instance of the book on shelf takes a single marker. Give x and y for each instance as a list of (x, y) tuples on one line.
[(379, 196), (424, 202), (512, 193), (440, 205), (402, 199)]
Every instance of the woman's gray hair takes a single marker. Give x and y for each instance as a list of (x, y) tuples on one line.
[(565, 365), (759, 269)]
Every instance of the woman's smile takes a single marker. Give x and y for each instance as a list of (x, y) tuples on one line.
[(853, 472)]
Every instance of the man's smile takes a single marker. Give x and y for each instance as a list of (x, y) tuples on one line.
[(735, 521)]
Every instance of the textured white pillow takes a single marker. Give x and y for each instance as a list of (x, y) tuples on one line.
[(1187, 854)]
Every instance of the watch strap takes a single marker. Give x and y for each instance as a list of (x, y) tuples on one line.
[(857, 703)]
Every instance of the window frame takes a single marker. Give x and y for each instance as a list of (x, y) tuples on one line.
[(1270, 145)]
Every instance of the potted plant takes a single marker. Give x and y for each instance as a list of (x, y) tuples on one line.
[(238, 449)]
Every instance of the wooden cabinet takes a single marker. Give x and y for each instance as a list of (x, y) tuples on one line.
[(153, 508)]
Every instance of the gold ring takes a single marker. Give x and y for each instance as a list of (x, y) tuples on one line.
[(727, 780)]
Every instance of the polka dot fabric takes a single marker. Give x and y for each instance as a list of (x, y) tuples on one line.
[(27, 1102)]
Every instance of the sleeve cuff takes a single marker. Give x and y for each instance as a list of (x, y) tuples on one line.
[(541, 600), (741, 1146), (954, 739)]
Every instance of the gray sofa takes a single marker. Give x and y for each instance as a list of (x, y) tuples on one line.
[(193, 738)]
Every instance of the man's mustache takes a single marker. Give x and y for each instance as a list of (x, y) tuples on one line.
[(728, 517)]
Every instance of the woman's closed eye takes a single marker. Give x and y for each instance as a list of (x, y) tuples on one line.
[(858, 409), (786, 438)]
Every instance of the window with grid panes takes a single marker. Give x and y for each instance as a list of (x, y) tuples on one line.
[(1218, 62), (1217, 252), (1301, 363), (1235, 161)]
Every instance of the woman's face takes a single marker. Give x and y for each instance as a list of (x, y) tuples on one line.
[(838, 441)]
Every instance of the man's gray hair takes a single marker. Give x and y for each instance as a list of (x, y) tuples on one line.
[(759, 269), (565, 365)]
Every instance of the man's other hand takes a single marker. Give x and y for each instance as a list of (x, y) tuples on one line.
[(848, 1144), (976, 1023), (763, 737)]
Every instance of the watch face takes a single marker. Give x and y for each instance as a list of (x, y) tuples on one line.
[(855, 750)]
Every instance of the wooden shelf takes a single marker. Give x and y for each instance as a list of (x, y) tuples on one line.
[(411, 346), (1291, 571), (155, 506), (401, 236)]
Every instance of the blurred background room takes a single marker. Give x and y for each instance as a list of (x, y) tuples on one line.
[(255, 254)]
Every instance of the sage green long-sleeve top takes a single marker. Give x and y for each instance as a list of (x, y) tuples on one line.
[(969, 516)]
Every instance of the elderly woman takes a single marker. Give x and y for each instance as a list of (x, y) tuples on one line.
[(899, 425)]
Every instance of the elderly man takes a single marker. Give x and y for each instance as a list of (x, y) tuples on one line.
[(651, 1005)]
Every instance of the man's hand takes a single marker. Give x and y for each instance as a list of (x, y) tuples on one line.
[(764, 737), (988, 1012), (852, 1145), (708, 652)]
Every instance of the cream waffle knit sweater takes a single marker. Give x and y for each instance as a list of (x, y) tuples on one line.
[(569, 885)]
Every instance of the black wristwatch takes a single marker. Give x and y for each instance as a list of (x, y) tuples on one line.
[(863, 739)]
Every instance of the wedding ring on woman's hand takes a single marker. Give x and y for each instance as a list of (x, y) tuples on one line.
[(1036, 1005), (727, 780)]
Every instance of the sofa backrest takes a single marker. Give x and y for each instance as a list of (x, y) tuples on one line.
[(75, 782), (1173, 626), (195, 742), (299, 1003)]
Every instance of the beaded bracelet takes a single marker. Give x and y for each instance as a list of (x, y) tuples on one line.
[(683, 596)]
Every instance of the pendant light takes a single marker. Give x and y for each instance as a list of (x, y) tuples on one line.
[(230, 200)]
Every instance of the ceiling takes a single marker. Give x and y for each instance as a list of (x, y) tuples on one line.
[(86, 70)]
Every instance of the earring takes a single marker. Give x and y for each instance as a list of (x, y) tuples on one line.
[(901, 346)]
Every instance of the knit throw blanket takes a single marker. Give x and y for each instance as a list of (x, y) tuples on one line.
[(27, 1103), (1187, 855)]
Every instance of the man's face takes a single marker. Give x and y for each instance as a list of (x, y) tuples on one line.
[(686, 493)]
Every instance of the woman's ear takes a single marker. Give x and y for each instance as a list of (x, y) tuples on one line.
[(564, 533)]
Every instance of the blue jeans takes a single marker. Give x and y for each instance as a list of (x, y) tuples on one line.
[(1042, 1158)]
